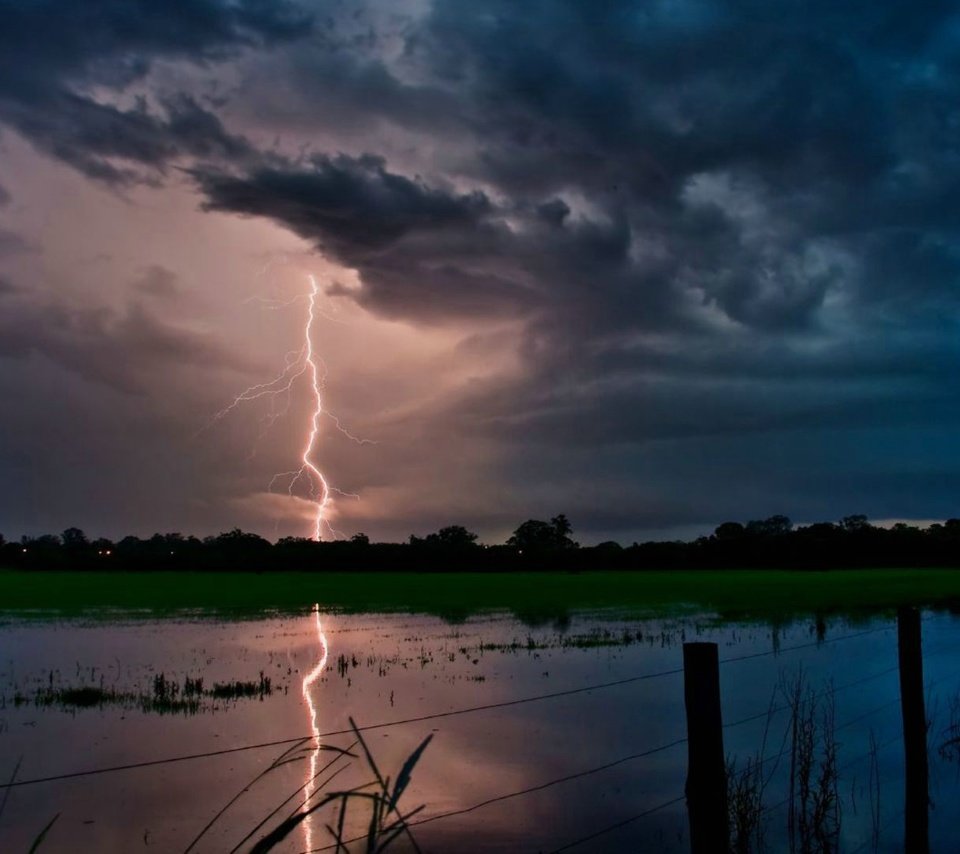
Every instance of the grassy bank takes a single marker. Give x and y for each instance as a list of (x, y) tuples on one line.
[(760, 594)]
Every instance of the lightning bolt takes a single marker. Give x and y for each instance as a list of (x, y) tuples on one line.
[(281, 384), (319, 488), (297, 363)]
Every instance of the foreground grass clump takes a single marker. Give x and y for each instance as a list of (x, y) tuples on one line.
[(533, 597), (379, 797), (809, 749)]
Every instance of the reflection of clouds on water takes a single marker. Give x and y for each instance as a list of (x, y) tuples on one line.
[(308, 682)]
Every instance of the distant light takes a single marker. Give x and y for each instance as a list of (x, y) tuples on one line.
[(108, 552), (24, 551)]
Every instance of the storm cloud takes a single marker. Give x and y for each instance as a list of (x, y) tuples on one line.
[(60, 61), (682, 233), (125, 349)]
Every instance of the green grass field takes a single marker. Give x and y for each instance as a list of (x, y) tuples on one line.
[(749, 594)]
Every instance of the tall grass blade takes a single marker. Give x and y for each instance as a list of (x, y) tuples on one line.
[(6, 792), (43, 833), (394, 830), (340, 821), (368, 755), (288, 825), (374, 827), (285, 801), (403, 778), (282, 759)]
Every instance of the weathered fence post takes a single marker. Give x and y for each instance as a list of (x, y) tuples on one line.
[(916, 838), (706, 770)]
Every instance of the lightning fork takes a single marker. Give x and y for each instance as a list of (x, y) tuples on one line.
[(298, 363)]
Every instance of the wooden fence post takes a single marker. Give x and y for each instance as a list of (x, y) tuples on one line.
[(917, 802), (706, 769)]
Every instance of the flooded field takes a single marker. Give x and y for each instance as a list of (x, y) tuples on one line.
[(548, 736)]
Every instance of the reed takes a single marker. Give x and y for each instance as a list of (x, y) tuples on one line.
[(165, 695), (380, 795)]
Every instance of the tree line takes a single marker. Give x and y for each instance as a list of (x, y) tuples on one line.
[(535, 545)]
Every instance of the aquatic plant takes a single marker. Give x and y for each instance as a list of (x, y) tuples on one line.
[(949, 747), (166, 695), (232, 690), (814, 806), (813, 800)]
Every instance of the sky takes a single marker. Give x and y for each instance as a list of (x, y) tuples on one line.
[(652, 265)]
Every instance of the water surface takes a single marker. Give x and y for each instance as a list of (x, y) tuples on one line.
[(326, 668)]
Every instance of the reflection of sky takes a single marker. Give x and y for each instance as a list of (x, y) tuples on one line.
[(472, 757)]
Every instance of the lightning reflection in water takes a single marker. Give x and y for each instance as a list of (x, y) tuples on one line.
[(308, 683)]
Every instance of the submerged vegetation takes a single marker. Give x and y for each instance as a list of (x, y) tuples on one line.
[(166, 696), (809, 751)]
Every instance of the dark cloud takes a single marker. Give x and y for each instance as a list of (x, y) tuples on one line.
[(412, 243), (432, 253), (753, 160), (4, 196), (157, 281), (52, 53), (111, 144), (347, 203), (124, 350), (714, 220), (12, 243)]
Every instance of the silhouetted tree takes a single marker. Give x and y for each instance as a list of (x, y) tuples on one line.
[(234, 549), (773, 526), (76, 547), (729, 531), (537, 536), (74, 538), (103, 548), (609, 546), (453, 537), (771, 542)]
